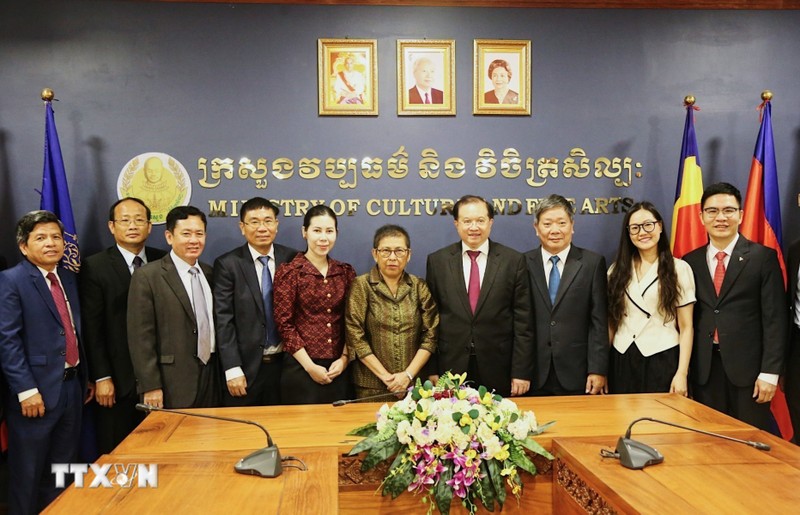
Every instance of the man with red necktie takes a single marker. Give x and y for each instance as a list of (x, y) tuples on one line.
[(43, 362), (740, 319)]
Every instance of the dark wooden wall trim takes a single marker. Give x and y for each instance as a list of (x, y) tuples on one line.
[(572, 4)]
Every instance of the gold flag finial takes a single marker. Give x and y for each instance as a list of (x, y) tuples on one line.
[(48, 94), (766, 95), (688, 100)]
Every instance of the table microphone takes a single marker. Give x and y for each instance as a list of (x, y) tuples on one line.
[(264, 462), (637, 455), (342, 402)]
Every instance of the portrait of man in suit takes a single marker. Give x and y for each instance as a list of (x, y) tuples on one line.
[(171, 323), (422, 91), (43, 362), (248, 342), (482, 291), (105, 278), (740, 319), (568, 289)]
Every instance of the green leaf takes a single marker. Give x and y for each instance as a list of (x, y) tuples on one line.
[(428, 385), (456, 416), (400, 476), (481, 391), (497, 481), (486, 490), (521, 460), (415, 396), (364, 445), (534, 446), (497, 398), (544, 427), (367, 430), (381, 451), (465, 430), (514, 417), (442, 492), (473, 414)]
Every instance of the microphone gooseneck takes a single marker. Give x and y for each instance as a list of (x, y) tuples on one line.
[(756, 445)]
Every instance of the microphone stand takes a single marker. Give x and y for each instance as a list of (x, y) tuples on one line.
[(636, 455), (264, 462)]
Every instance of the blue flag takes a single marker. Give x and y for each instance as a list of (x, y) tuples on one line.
[(55, 192)]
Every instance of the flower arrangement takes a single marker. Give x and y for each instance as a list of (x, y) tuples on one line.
[(451, 440)]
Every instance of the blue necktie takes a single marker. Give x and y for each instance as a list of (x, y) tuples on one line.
[(555, 278), (266, 292)]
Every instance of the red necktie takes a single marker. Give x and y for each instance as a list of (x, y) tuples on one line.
[(474, 288), (66, 321), (719, 275), (427, 98)]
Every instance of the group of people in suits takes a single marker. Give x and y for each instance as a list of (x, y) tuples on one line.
[(268, 324)]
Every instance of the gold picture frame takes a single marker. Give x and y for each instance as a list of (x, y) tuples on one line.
[(510, 62), (348, 77), (426, 77)]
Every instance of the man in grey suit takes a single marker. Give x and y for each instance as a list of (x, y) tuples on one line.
[(247, 338), (741, 323), (568, 285), (104, 279), (171, 323), (481, 289)]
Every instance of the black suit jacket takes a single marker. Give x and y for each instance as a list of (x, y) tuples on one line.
[(104, 281), (502, 326), (750, 314), (162, 333), (437, 96), (239, 309), (573, 332)]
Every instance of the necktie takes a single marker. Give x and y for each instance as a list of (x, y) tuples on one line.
[(266, 292), (66, 321), (427, 98), (474, 287), (137, 263), (719, 275), (201, 314), (555, 278)]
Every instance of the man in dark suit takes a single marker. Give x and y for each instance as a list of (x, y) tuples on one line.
[(43, 362), (423, 91), (740, 319), (568, 285), (247, 338), (482, 291), (171, 323), (105, 278), (792, 372)]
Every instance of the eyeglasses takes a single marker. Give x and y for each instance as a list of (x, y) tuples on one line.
[(727, 212), (125, 222), (385, 253), (646, 227), (269, 223), (480, 222)]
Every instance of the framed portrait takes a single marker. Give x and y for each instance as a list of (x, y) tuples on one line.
[(502, 77), (426, 77), (348, 76)]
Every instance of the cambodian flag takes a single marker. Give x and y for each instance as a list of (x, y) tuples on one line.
[(55, 192), (688, 232), (762, 223)]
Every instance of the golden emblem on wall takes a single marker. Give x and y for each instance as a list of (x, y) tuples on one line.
[(159, 180)]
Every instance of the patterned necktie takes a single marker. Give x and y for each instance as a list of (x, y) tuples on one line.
[(266, 292), (427, 98), (554, 280), (719, 275), (474, 287), (137, 263), (66, 320), (201, 314)]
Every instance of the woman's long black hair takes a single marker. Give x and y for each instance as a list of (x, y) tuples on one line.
[(627, 256)]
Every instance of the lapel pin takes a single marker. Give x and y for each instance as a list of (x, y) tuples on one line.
[(741, 258)]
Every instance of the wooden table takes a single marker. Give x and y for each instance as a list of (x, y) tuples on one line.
[(700, 474), (188, 445)]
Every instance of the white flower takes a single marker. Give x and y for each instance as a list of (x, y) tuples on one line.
[(519, 428), (383, 417), (404, 432)]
